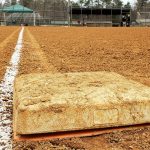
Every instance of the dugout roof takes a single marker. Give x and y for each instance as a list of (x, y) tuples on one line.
[(16, 9), (101, 11)]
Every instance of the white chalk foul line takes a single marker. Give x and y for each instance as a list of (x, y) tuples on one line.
[(6, 90)]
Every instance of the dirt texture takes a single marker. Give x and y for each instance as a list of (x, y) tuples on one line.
[(131, 139), (33, 58), (122, 50), (8, 39)]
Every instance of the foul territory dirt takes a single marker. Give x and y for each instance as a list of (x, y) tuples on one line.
[(122, 50), (8, 39)]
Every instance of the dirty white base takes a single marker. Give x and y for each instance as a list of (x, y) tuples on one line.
[(46, 103)]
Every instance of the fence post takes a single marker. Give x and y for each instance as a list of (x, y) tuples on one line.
[(5, 18), (34, 18), (69, 23)]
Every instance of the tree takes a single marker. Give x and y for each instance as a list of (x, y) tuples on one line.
[(75, 4), (87, 3), (1, 6), (7, 3), (106, 3), (26, 3), (98, 3), (13, 2), (128, 5), (81, 2), (118, 3), (140, 4)]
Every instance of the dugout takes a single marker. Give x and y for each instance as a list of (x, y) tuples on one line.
[(98, 16), (16, 15)]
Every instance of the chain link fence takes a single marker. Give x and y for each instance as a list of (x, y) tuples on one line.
[(60, 12), (143, 16)]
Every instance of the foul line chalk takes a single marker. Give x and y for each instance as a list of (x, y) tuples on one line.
[(6, 90)]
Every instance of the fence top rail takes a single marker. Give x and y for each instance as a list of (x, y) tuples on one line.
[(101, 8)]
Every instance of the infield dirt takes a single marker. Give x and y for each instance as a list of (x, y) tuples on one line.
[(8, 39), (122, 50)]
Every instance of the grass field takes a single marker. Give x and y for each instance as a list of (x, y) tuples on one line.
[(58, 49)]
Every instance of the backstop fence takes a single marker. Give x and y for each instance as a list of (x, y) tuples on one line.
[(143, 16), (60, 12)]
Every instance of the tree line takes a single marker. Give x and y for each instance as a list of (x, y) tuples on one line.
[(36, 4), (101, 3), (46, 4), (79, 3)]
